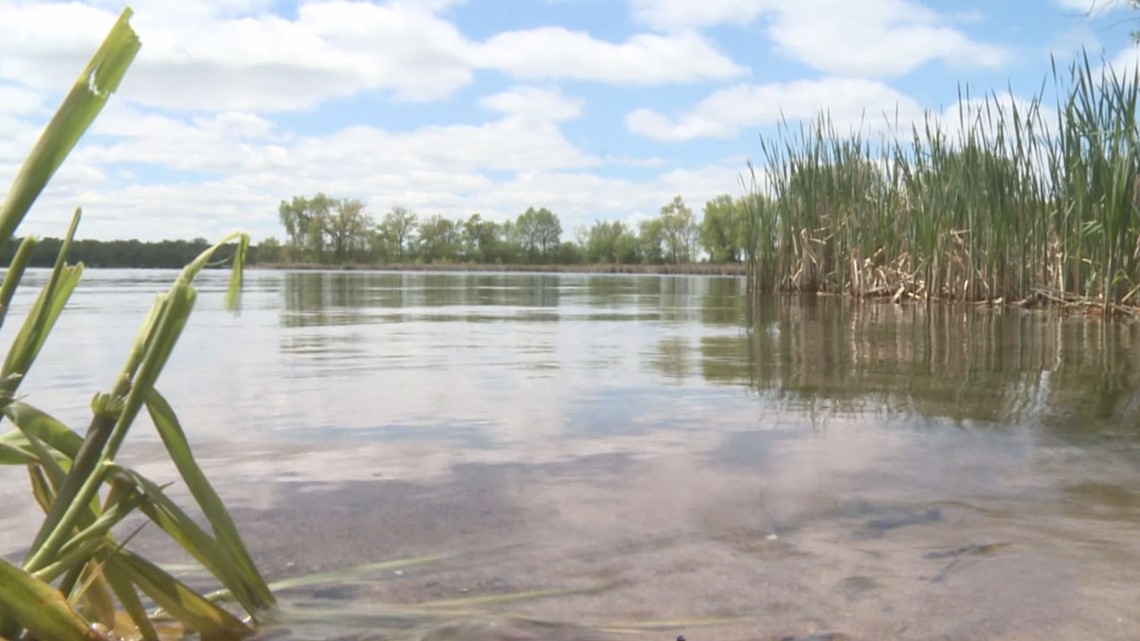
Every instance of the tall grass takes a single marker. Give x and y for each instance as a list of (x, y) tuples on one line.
[(78, 580), (1008, 204)]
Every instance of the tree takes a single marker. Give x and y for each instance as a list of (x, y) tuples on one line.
[(346, 228), (439, 239), (723, 229), (650, 236), (569, 253), (610, 242), (269, 251), (398, 229), (302, 218), (679, 231), (539, 232), (479, 238)]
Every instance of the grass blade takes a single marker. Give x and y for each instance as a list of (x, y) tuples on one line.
[(40, 609), (14, 275), (129, 599), (212, 622), (227, 535), (44, 427), (43, 315), (83, 103), (192, 538)]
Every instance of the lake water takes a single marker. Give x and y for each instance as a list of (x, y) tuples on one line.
[(637, 457)]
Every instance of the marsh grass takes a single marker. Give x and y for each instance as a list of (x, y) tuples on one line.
[(78, 581), (1014, 203)]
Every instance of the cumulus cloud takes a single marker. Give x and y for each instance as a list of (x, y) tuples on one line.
[(1090, 7), (238, 55), (849, 102), (870, 38), (534, 103), (644, 59)]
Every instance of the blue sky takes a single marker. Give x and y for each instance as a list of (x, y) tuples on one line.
[(596, 109)]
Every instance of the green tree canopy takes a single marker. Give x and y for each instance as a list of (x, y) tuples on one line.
[(439, 239), (539, 232), (398, 231), (679, 231), (610, 242), (723, 229)]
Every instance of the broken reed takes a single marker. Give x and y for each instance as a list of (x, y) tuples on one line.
[(1008, 204)]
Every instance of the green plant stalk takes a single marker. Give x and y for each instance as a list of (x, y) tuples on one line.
[(40, 609), (42, 317), (124, 590), (83, 483), (83, 103), (15, 274), (170, 430), (209, 620), (183, 530)]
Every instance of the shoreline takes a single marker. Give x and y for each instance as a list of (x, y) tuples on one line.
[(1039, 299), (687, 269)]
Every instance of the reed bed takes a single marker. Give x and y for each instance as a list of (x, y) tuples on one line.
[(1014, 202), (79, 580)]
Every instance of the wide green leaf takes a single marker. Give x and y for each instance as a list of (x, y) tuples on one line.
[(212, 622), (41, 609), (44, 427)]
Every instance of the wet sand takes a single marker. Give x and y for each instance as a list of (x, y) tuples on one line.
[(660, 547)]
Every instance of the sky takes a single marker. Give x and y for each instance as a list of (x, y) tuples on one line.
[(595, 109)]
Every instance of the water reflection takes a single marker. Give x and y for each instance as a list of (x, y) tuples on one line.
[(963, 363), (797, 467)]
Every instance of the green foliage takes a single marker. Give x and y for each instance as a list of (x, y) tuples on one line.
[(722, 230), (539, 232), (480, 239), (534, 237), (75, 564), (651, 240), (678, 231), (325, 229), (396, 233), (1013, 207), (439, 239), (612, 243), (164, 254)]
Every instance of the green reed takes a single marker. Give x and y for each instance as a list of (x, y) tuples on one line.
[(1008, 203), (78, 581)]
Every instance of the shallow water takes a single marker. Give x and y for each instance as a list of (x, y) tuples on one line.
[(646, 454)]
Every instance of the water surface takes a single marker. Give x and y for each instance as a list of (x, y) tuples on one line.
[(682, 463)]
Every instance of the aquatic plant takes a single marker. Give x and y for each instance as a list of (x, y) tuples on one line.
[(78, 580), (1008, 204)]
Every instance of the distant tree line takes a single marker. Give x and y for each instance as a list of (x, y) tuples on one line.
[(325, 230), (172, 254)]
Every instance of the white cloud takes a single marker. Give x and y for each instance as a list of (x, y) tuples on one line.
[(849, 102), (534, 104), (1090, 7), (452, 170), (238, 55), (198, 57), (644, 59), (1126, 63), (870, 37)]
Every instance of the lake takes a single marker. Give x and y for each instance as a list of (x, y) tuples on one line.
[(637, 457)]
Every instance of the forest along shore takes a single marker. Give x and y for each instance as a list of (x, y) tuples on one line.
[(691, 269)]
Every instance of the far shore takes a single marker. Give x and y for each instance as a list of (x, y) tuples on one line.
[(692, 269)]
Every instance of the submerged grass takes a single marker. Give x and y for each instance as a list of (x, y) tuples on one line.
[(1014, 203)]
